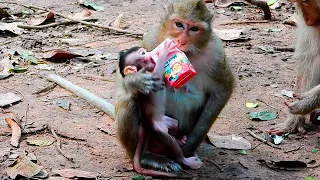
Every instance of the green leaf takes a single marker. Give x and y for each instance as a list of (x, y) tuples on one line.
[(138, 178), (243, 152), (25, 12), (28, 56), (314, 150), (94, 6), (236, 8), (40, 142), (310, 178), (263, 115), (18, 70), (271, 2), (251, 105)]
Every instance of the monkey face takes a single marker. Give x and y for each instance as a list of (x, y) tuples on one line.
[(189, 36), (140, 58)]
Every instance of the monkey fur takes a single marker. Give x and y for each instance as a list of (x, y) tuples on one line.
[(188, 23)]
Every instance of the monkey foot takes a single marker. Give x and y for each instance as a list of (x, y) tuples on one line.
[(182, 141), (193, 162), (294, 124)]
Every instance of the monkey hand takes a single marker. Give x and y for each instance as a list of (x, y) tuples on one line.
[(143, 82), (182, 141), (305, 104), (293, 124)]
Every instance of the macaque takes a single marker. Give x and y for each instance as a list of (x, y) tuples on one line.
[(188, 23), (307, 54), (156, 125)]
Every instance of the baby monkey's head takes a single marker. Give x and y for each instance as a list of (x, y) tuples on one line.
[(134, 59)]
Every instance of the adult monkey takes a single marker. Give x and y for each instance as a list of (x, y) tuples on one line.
[(307, 54), (197, 104)]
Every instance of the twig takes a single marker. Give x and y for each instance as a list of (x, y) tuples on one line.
[(260, 100), (215, 164), (262, 140), (35, 130), (109, 28), (90, 77), (68, 137), (26, 117), (58, 145), (244, 22), (48, 88), (243, 165), (49, 25), (284, 49), (292, 150)]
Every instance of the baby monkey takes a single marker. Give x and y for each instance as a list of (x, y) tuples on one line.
[(157, 131)]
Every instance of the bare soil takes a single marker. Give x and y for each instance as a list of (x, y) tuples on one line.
[(260, 75)]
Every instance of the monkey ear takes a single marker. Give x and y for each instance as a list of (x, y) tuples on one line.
[(129, 69)]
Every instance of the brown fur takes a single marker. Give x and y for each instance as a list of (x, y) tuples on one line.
[(307, 54), (198, 107)]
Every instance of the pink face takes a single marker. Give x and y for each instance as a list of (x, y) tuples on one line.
[(140, 59)]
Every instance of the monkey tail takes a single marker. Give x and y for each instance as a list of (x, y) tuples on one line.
[(154, 173), (160, 162)]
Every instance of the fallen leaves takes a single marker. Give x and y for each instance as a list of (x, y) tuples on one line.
[(229, 142), (47, 17), (91, 5), (285, 165), (8, 99), (75, 173), (59, 55), (11, 27), (263, 115), (16, 131), (40, 142), (26, 168)]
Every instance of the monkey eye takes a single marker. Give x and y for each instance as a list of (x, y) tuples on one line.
[(142, 51), (305, 1), (194, 29), (179, 24)]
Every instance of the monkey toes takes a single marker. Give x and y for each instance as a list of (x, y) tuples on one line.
[(193, 162), (294, 124), (302, 106), (182, 141)]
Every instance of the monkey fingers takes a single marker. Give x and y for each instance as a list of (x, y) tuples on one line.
[(304, 105), (314, 117), (182, 141), (143, 82)]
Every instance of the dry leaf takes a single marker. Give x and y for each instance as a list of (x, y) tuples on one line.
[(60, 55), (39, 21), (228, 34), (16, 132), (23, 167), (229, 142), (74, 173), (40, 142)]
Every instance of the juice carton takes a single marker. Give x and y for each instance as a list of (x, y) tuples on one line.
[(178, 69)]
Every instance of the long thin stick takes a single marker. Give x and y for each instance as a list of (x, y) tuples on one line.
[(47, 25), (79, 21), (262, 139), (58, 145), (88, 96)]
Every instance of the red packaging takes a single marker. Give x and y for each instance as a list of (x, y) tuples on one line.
[(178, 69)]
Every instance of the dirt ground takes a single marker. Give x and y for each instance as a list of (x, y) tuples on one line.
[(260, 76)]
